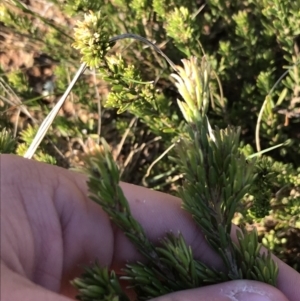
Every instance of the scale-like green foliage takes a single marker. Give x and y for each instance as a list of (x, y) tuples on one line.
[(98, 284), (7, 142), (216, 178), (171, 266)]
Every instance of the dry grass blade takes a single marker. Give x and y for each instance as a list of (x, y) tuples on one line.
[(98, 105), (120, 145), (134, 151), (16, 100), (49, 119), (156, 161), (144, 40), (260, 115)]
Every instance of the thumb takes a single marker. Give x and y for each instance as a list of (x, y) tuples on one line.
[(237, 290), (17, 287)]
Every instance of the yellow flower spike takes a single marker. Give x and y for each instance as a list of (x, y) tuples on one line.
[(184, 110), (182, 89), (192, 84), (188, 76), (198, 86), (206, 72)]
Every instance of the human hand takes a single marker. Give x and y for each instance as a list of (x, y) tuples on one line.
[(49, 229)]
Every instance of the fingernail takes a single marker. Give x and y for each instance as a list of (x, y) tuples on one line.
[(250, 291), (250, 296)]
